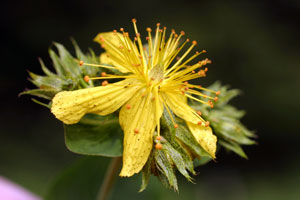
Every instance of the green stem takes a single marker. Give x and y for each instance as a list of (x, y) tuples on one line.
[(109, 178)]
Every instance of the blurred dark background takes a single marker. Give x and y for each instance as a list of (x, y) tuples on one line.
[(254, 46)]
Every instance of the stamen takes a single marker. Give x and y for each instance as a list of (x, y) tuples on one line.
[(86, 78), (104, 83), (136, 130), (103, 74), (128, 106), (158, 146)]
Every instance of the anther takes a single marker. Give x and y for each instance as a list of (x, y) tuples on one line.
[(104, 83), (158, 138), (173, 31), (188, 40), (136, 130), (194, 42), (218, 93), (115, 31), (103, 74), (86, 78), (81, 63), (152, 78), (158, 146), (148, 29), (135, 38), (175, 125), (207, 123), (158, 24), (206, 69), (185, 83), (121, 29), (203, 51), (128, 106), (153, 99), (182, 32), (133, 20), (138, 34), (216, 99), (199, 113), (199, 123), (193, 72), (147, 38)]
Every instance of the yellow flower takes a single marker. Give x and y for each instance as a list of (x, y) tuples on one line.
[(154, 79)]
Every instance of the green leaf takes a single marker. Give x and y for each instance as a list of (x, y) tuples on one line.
[(95, 135), (81, 181), (233, 147)]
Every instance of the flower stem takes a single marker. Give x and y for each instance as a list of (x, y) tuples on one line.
[(109, 178)]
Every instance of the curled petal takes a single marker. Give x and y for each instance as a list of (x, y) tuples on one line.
[(71, 106), (205, 138)]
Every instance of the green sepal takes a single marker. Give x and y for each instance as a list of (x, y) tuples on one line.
[(232, 146), (164, 165), (95, 135), (47, 82), (42, 93), (146, 172)]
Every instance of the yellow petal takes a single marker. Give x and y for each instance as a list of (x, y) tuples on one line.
[(106, 59), (115, 56), (71, 106), (179, 106), (141, 118), (205, 138)]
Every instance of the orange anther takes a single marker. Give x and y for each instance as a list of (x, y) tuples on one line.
[(193, 72), (104, 83), (121, 29), (128, 106), (203, 51), (188, 40), (194, 42), (148, 29), (86, 78), (158, 24), (147, 38), (185, 83), (175, 125), (136, 130), (138, 34), (81, 63), (207, 123), (216, 99), (199, 113), (206, 69), (133, 20), (158, 138), (103, 74), (153, 99), (114, 31), (158, 146), (218, 93), (200, 123), (182, 32), (186, 88)]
